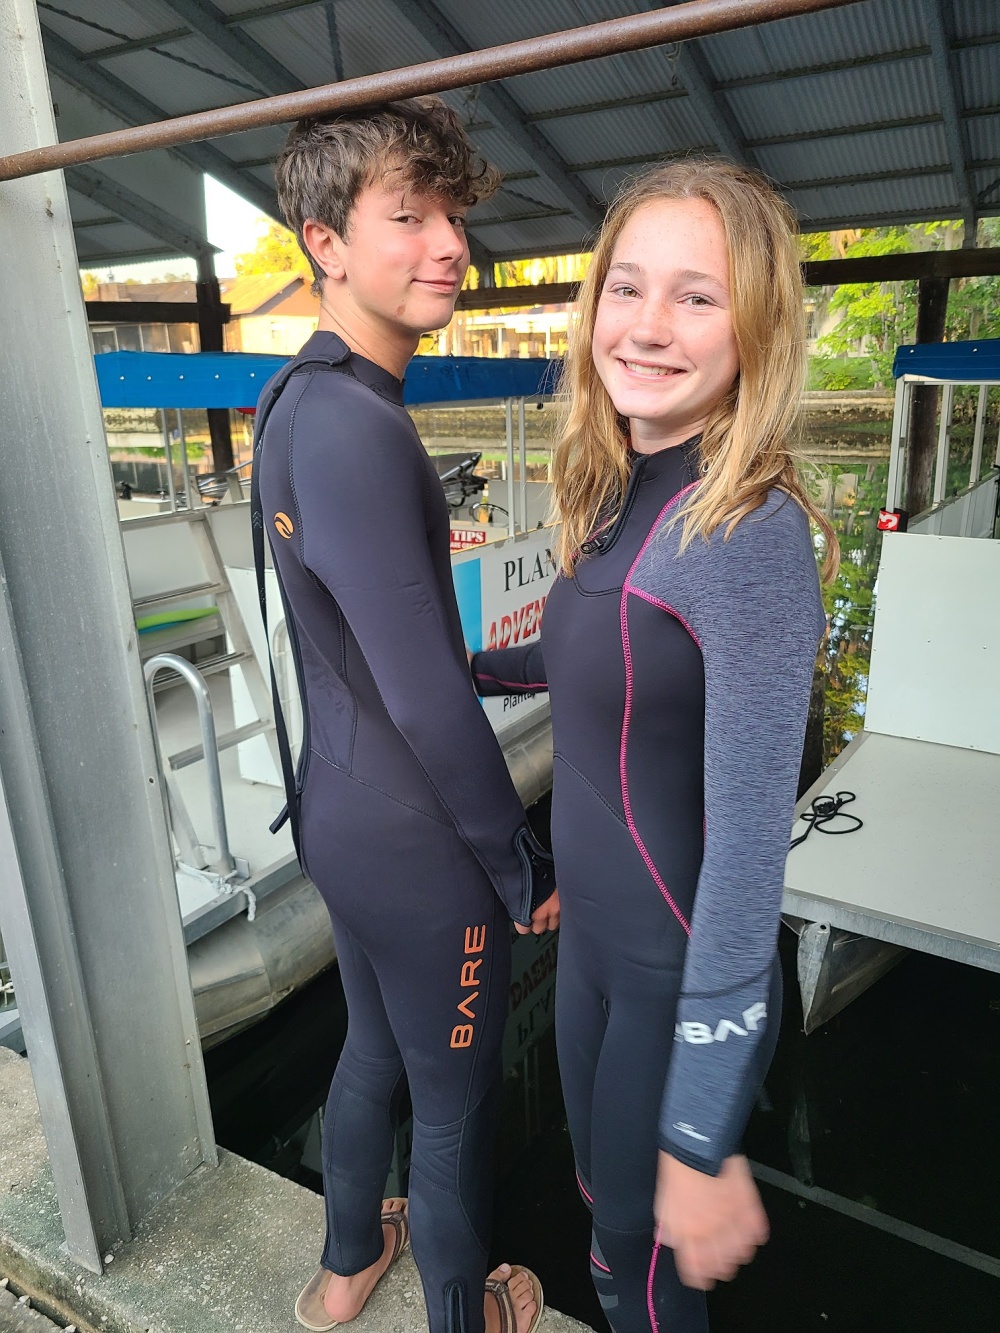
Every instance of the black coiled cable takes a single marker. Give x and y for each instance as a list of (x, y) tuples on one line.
[(822, 810)]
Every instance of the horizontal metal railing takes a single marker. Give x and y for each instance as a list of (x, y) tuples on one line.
[(633, 32)]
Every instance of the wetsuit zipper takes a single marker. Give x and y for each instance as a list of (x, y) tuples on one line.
[(605, 541)]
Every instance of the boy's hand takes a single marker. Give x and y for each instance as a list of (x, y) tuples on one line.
[(543, 918), (713, 1224)]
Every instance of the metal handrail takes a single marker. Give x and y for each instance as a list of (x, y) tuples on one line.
[(206, 721), (632, 32)]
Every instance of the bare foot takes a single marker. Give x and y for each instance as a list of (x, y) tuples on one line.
[(345, 1297), (521, 1295)]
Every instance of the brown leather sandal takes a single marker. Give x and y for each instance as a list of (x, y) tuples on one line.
[(500, 1290), (309, 1308)]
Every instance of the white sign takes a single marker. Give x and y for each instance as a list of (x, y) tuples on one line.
[(502, 592)]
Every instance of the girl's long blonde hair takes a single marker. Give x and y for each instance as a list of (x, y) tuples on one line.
[(747, 444)]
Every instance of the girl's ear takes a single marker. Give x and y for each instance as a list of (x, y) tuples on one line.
[(325, 246)]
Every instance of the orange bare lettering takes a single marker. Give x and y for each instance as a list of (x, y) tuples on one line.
[(469, 973)]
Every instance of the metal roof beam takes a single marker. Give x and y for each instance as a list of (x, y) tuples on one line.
[(80, 223), (946, 78), (178, 34), (614, 104), (236, 46), (693, 71), (445, 40), (131, 207), (844, 131), (134, 109), (538, 216), (333, 33)]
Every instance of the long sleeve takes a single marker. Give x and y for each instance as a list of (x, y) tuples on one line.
[(753, 604), (519, 670), (363, 509)]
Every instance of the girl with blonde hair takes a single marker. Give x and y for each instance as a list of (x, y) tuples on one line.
[(678, 647)]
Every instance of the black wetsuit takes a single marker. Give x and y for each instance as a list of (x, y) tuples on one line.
[(679, 688), (420, 866)]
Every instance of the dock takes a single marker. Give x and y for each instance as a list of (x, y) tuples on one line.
[(227, 1252)]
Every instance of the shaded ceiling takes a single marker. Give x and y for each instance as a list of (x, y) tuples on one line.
[(879, 112)]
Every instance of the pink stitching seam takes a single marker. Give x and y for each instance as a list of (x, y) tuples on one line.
[(597, 1264), (664, 606), (515, 684), (649, 1288), (583, 1189), (627, 717)]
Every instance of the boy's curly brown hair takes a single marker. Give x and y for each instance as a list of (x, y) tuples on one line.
[(328, 160)]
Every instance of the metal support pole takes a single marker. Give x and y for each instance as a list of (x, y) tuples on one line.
[(168, 455), (212, 338), (932, 312), (522, 459), (508, 412), (978, 434), (944, 444), (897, 445), (185, 469), (87, 894)]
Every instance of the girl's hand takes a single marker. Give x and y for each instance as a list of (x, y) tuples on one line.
[(713, 1224), (543, 918)]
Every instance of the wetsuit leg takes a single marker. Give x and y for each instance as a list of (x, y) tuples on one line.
[(429, 931), (360, 1120), (613, 1121)]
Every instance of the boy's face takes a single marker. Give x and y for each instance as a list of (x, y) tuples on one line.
[(402, 262)]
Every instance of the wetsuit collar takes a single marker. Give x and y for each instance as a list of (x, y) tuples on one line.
[(651, 465), (325, 344)]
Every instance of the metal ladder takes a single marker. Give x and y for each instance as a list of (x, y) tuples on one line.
[(229, 622)]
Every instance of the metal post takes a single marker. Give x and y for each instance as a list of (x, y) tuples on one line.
[(932, 312), (508, 412), (168, 455), (185, 469), (87, 894), (977, 437), (522, 459), (944, 444), (897, 445)]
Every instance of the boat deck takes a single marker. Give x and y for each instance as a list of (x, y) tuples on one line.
[(920, 873)]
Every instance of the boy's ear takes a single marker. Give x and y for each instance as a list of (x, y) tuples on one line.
[(325, 246)]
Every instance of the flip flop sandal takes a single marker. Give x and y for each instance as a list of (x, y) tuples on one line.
[(309, 1308), (500, 1289)]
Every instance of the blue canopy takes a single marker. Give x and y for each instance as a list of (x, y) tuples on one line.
[(966, 362), (235, 379)]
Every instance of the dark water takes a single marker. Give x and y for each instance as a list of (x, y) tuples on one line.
[(893, 1107)]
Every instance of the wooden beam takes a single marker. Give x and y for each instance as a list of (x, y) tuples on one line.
[(821, 273), (147, 312), (903, 267)]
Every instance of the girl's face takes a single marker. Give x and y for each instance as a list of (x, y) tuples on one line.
[(663, 343)]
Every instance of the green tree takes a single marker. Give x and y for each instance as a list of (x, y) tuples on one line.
[(277, 251), (876, 317)]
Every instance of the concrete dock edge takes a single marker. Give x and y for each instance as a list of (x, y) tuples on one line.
[(227, 1252)]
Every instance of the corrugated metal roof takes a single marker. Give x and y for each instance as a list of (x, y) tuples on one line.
[(984, 137), (979, 75), (911, 197), (816, 39), (878, 151), (832, 99)]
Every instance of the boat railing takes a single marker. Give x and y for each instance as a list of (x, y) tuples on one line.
[(970, 513), (226, 870), (899, 443)]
